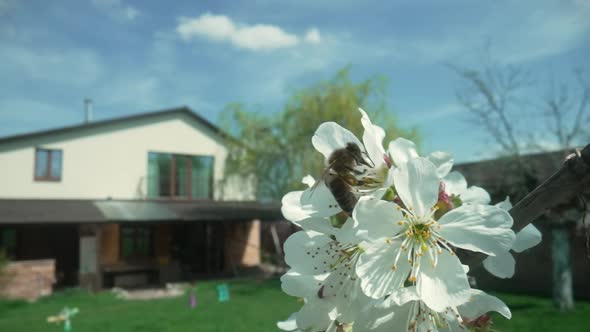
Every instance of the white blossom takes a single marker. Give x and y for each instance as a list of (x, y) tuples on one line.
[(402, 150), (324, 264), (456, 185), (408, 313), (407, 243), (503, 264), (390, 265)]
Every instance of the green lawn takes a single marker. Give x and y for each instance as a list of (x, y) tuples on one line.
[(254, 306), (535, 314)]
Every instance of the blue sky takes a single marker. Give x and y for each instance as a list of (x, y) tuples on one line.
[(137, 56)]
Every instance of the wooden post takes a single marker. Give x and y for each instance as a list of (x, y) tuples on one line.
[(88, 249)]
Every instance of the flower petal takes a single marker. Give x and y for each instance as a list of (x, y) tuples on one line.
[(443, 162), (401, 151), (501, 265), (300, 285), (347, 232), (385, 317), (291, 206), (376, 218), (331, 136), (308, 180), (373, 140), (320, 225), (475, 195), (307, 253), (455, 183), (289, 324), (445, 285), (481, 228), (482, 303), (375, 268), (417, 184), (317, 202), (316, 314), (404, 295), (527, 238), (505, 205)]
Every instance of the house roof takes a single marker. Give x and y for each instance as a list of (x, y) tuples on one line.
[(183, 110), (52, 211), (494, 172)]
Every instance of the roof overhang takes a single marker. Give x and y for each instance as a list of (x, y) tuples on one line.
[(42, 211)]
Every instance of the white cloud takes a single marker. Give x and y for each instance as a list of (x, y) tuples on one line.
[(313, 36), (262, 36), (215, 27), (252, 37), (117, 9)]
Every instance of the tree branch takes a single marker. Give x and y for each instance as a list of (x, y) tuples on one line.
[(572, 179), (569, 181)]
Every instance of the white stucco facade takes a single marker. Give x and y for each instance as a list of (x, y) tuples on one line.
[(111, 161)]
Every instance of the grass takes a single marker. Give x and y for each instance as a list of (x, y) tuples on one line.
[(537, 314), (254, 306)]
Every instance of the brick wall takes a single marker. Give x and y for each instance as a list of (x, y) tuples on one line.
[(27, 280)]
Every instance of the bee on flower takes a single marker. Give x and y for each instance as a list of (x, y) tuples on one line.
[(389, 263)]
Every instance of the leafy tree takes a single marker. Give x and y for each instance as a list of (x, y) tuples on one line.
[(277, 147)]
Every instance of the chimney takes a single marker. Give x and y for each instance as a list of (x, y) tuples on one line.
[(87, 110)]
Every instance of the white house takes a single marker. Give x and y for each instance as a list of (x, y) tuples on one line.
[(137, 199), (125, 158)]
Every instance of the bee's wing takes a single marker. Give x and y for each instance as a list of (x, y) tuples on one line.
[(321, 179)]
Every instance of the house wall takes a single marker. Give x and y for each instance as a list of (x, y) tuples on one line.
[(111, 161)]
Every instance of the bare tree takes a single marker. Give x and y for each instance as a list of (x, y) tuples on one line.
[(495, 96), (562, 103)]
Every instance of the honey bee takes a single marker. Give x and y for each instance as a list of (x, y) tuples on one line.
[(340, 175)]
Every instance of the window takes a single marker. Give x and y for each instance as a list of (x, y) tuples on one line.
[(171, 175), (8, 241), (48, 165), (136, 241)]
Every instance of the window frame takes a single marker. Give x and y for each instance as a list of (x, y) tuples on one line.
[(174, 176), (9, 252), (48, 177), (136, 231)]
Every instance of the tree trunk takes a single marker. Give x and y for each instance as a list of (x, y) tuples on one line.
[(562, 268)]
